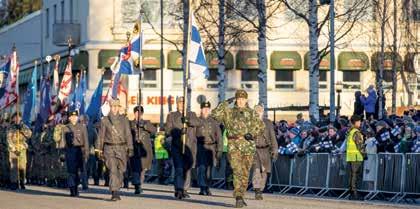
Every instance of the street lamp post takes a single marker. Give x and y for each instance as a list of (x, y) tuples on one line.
[(339, 89)]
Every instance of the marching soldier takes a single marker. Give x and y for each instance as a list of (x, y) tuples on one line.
[(209, 148), (77, 150), (183, 155), (17, 138), (49, 152), (266, 144), (115, 144), (143, 150), (35, 160), (243, 125), (60, 150)]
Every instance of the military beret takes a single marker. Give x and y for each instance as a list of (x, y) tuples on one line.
[(205, 105), (114, 102), (355, 118), (180, 99), (73, 113), (136, 109), (241, 94)]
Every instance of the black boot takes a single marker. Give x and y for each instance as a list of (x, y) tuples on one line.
[(126, 183), (76, 191), (208, 191), (240, 203), (137, 189), (14, 186), (114, 196), (185, 194), (178, 194), (203, 191), (72, 192), (22, 185), (258, 194)]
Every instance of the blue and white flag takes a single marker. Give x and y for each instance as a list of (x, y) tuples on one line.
[(136, 43), (196, 57), (94, 108), (30, 100)]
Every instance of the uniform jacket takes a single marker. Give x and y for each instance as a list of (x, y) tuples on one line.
[(209, 141), (142, 141), (76, 136), (115, 130), (266, 145)]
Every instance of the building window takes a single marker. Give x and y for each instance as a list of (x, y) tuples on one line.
[(284, 79), (55, 13), (323, 79), (150, 78), (178, 79), (249, 79), (351, 79), (62, 11), (212, 81), (47, 23), (71, 10)]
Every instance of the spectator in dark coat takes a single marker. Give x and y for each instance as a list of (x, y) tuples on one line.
[(358, 105)]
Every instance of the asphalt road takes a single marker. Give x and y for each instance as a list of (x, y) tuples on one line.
[(161, 197)]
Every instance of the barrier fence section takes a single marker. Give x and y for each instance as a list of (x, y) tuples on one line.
[(391, 176)]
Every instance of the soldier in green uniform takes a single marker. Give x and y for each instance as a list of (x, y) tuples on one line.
[(17, 138), (266, 151), (59, 155), (143, 150), (243, 125), (115, 144), (35, 159), (209, 148), (49, 153)]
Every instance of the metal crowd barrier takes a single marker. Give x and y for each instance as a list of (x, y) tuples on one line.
[(390, 176)]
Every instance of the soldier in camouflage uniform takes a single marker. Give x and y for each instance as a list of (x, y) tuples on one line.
[(49, 151), (143, 151), (59, 155), (243, 125), (36, 160), (4, 154), (17, 138), (183, 161), (267, 147), (115, 144), (209, 148)]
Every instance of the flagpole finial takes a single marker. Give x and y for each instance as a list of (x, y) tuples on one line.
[(14, 47), (57, 57), (48, 58), (36, 62), (128, 34)]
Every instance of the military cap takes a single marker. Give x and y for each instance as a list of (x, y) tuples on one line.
[(73, 113), (136, 109), (205, 105), (241, 94), (114, 102), (180, 99), (355, 118)]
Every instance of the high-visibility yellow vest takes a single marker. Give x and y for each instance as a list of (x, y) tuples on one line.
[(160, 152), (352, 153)]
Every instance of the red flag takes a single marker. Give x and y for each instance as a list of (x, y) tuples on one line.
[(12, 84), (65, 86)]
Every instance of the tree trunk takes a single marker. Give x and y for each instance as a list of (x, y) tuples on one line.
[(381, 62), (394, 62), (314, 62), (262, 55), (221, 78)]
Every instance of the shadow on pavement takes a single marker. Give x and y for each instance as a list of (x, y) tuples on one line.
[(54, 194)]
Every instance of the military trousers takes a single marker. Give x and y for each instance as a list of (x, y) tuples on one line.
[(74, 162), (355, 171), (241, 162), (259, 178), (116, 162), (17, 166), (183, 163), (137, 170)]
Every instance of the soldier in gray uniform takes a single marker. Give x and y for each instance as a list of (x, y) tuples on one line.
[(77, 150), (143, 149), (209, 148), (183, 155), (115, 144), (266, 151)]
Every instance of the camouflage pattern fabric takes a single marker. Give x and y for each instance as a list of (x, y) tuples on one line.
[(17, 138)]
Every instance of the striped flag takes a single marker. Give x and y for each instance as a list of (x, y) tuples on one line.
[(66, 84), (55, 87), (11, 90)]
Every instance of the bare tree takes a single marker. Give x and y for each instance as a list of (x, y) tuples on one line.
[(317, 23)]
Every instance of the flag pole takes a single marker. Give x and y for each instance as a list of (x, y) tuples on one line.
[(14, 54), (140, 61), (187, 78)]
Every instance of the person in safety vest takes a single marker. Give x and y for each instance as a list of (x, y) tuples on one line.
[(355, 155)]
